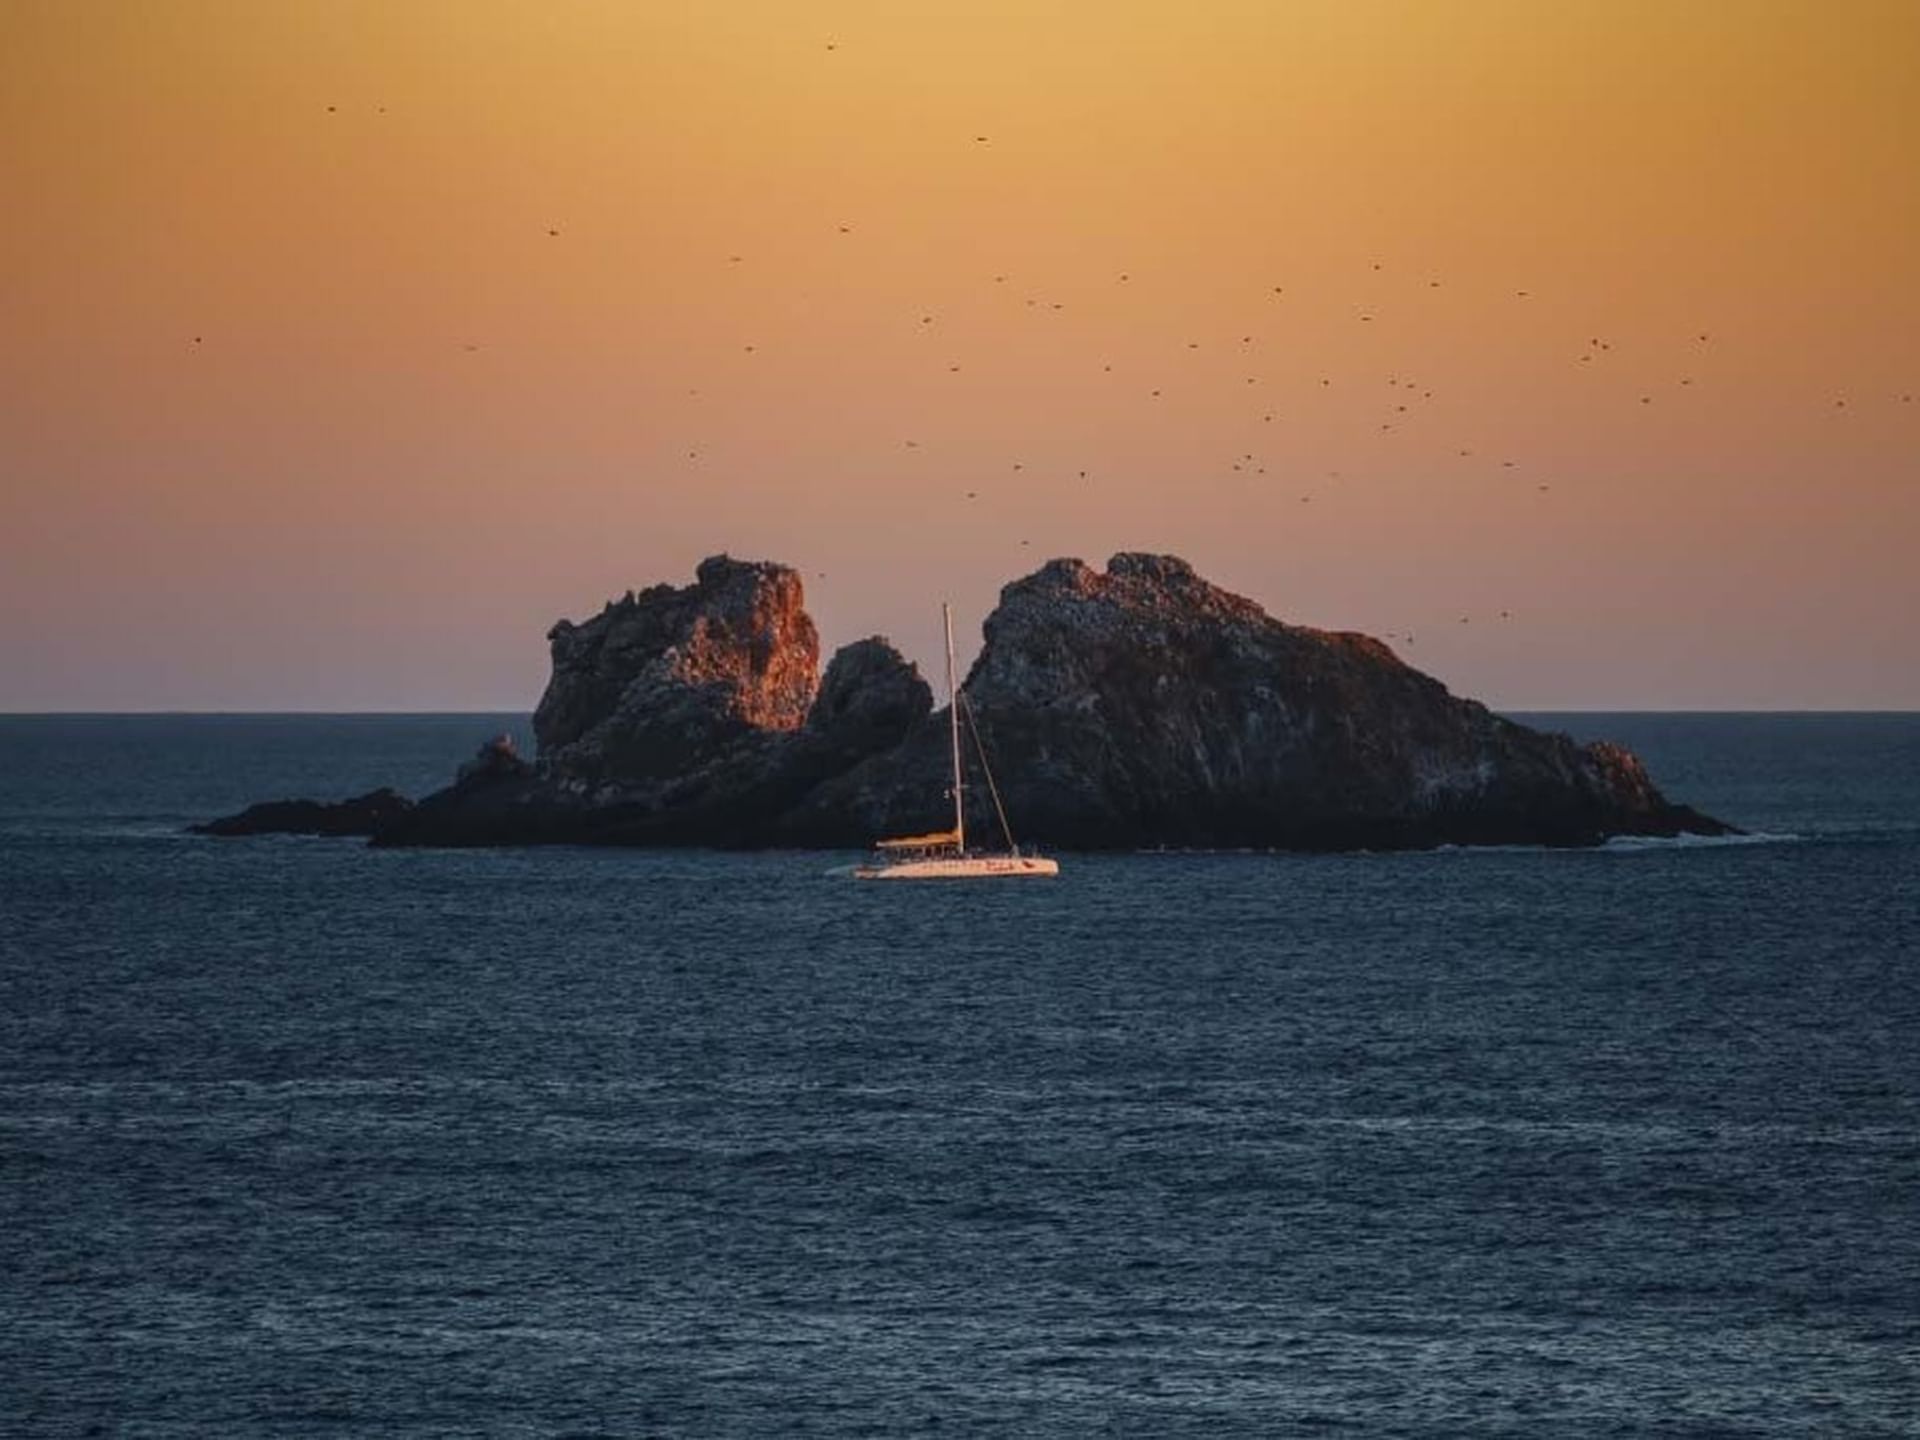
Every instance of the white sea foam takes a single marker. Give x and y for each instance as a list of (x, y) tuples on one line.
[(1699, 842), (1623, 844)]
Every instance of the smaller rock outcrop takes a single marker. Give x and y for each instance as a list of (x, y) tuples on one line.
[(498, 759), (870, 697), (362, 815)]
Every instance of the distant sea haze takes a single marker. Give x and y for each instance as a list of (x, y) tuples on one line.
[(303, 1137)]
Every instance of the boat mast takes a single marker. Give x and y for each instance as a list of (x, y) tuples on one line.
[(953, 714)]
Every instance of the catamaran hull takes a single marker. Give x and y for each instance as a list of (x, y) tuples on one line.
[(967, 867), (942, 854)]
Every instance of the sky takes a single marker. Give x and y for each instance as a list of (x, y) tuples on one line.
[(1573, 348)]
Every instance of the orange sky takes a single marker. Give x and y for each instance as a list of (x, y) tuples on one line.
[(303, 406)]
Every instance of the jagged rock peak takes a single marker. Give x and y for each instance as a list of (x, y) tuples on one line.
[(1139, 581), (1143, 564), (722, 572), (869, 682), (735, 651)]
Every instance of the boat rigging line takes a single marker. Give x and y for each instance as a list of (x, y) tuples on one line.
[(980, 749)]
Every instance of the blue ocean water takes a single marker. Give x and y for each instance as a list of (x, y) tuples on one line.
[(300, 1138)]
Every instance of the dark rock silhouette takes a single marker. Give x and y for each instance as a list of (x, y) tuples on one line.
[(362, 815), (1146, 707), (1137, 707), (498, 759)]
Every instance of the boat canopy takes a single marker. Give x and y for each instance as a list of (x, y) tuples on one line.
[(921, 842)]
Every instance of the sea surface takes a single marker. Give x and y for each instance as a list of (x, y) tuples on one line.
[(299, 1138)]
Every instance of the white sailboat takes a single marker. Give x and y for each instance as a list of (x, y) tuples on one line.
[(943, 855)]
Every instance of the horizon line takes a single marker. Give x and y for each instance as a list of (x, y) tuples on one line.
[(183, 712)]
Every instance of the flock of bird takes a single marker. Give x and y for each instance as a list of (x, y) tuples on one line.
[(1400, 408), (1400, 401)]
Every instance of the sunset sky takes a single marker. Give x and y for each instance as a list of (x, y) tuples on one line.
[(344, 347)]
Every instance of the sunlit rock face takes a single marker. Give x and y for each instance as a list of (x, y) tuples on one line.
[(694, 715), (667, 681), (1135, 706)]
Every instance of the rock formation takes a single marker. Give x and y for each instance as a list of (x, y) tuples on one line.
[(1145, 707), (664, 684), (690, 716), (1137, 707), (362, 815)]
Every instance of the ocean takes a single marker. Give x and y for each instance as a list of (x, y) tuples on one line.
[(299, 1138)]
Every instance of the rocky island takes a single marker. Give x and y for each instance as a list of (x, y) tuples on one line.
[(1134, 707)]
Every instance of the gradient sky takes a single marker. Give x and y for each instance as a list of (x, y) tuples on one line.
[(304, 405)]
